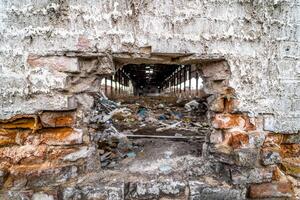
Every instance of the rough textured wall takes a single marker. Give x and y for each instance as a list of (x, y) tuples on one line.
[(260, 40)]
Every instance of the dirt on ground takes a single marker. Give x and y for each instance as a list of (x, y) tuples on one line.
[(151, 135)]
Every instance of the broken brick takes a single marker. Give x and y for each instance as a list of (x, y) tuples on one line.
[(19, 121), (247, 157), (57, 119), (290, 150), (243, 175), (291, 166), (291, 139), (23, 154), (270, 155), (216, 104), (226, 121), (55, 153), (32, 169), (239, 140), (61, 136), (273, 139), (216, 137), (250, 123), (8, 137), (271, 190), (59, 63)]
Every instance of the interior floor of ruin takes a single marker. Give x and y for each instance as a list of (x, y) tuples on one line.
[(138, 145), (152, 135)]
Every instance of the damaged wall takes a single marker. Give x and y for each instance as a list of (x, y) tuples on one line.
[(53, 53), (259, 39)]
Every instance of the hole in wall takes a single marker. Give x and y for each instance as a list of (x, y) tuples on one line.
[(156, 113)]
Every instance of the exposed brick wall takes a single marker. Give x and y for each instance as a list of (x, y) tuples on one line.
[(265, 162), (48, 148), (42, 148), (254, 107), (260, 40)]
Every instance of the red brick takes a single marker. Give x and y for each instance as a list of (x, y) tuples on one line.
[(291, 166), (57, 119), (23, 154), (55, 153), (32, 169), (273, 139), (8, 137), (230, 105), (270, 155), (250, 123), (59, 63), (271, 190), (239, 140), (290, 150), (61, 136), (20, 121), (226, 121)]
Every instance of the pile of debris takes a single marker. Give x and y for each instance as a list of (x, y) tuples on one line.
[(144, 119)]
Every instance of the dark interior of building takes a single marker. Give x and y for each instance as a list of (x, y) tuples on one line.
[(149, 79), (156, 106), (153, 80)]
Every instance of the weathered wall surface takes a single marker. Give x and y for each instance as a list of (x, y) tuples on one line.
[(260, 40), (43, 66)]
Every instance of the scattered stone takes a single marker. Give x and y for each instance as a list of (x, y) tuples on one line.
[(161, 105), (192, 105), (165, 168), (18, 195), (289, 150), (131, 154), (256, 139)]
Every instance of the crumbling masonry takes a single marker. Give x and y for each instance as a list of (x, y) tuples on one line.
[(54, 53)]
